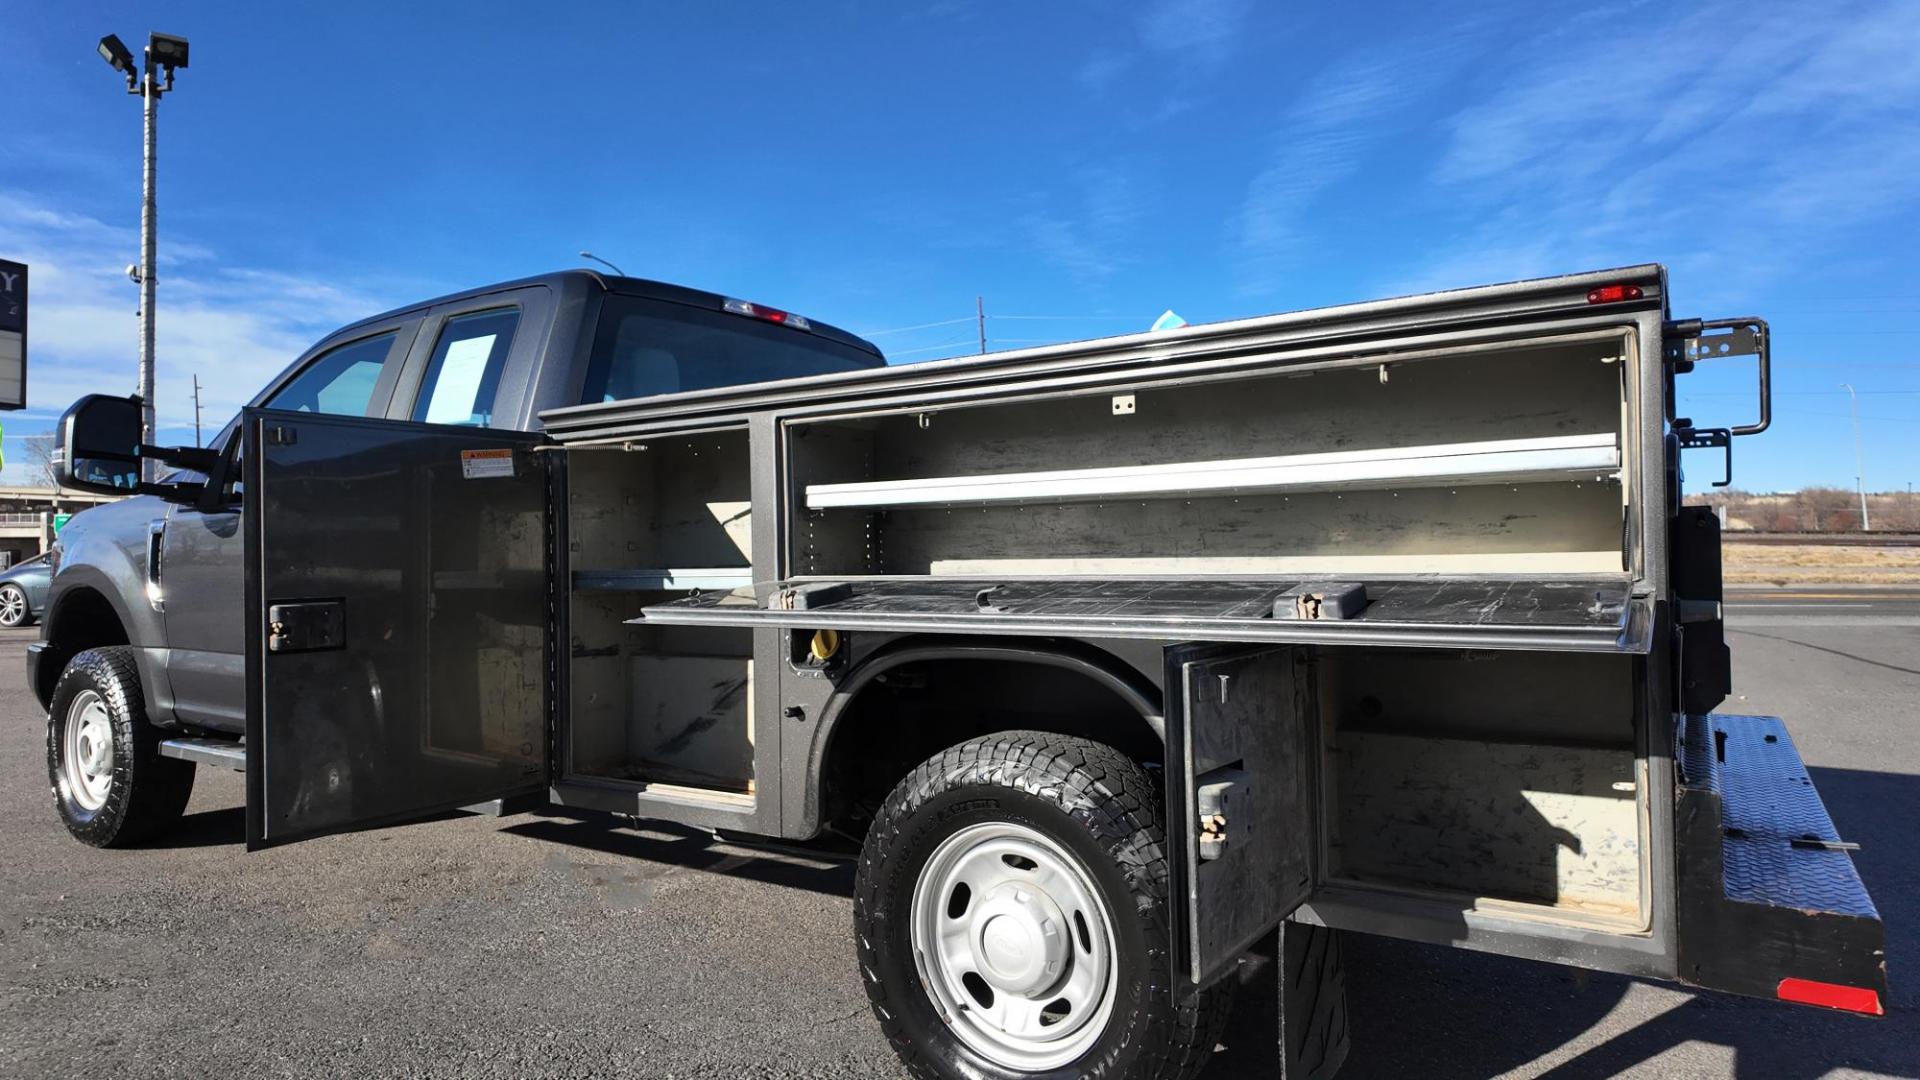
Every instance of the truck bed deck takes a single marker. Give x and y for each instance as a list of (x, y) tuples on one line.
[(1589, 615)]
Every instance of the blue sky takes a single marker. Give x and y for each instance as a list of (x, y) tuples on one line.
[(878, 165)]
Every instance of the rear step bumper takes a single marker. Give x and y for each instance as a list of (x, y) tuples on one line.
[(1770, 902)]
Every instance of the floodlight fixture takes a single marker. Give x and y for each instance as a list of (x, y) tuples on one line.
[(167, 50), (115, 52)]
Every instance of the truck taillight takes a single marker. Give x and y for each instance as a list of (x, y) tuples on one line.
[(772, 315), (1613, 294)]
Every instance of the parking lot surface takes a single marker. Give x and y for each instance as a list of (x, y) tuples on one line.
[(538, 946)]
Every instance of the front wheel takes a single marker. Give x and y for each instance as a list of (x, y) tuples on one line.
[(1012, 918), (110, 783), (13, 606)]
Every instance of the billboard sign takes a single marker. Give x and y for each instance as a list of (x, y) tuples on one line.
[(13, 335)]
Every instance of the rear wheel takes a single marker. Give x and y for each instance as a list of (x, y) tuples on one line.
[(13, 606), (110, 783), (1011, 908)]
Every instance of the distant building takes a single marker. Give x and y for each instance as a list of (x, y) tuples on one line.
[(28, 515)]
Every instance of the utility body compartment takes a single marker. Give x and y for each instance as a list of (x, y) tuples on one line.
[(1401, 589)]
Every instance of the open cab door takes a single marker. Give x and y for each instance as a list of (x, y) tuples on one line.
[(397, 579)]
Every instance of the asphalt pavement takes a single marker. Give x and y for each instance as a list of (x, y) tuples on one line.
[(536, 946)]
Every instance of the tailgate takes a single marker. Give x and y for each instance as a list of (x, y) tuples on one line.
[(1770, 902)]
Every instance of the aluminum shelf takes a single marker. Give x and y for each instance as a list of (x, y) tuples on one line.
[(1560, 457), (663, 578)]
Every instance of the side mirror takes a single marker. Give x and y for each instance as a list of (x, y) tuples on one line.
[(99, 445)]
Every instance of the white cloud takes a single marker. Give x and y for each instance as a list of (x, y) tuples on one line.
[(1351, 107), (1734, 142), (1092, 236), (1204, 32), (235, 327)]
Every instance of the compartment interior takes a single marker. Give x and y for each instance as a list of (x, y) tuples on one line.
[(1499, 460), (658, 705), (1505, 776)]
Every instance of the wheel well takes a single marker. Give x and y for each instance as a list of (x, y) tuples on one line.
[(83, 619), (921, 704)]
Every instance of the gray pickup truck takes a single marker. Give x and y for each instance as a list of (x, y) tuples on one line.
[(153, 586), (1116, 656)]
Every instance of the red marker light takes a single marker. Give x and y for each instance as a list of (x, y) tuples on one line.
[(1613, 294), (1856, 999), (767, 314)]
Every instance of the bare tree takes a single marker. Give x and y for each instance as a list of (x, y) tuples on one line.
[(39, 450)]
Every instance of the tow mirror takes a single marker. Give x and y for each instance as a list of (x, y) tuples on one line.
[(99, 446), (100, 450)]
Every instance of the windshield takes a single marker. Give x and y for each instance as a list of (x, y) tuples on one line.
[(647, 347)]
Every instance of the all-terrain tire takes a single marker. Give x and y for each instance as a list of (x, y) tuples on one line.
[(146, 793), (1103, 808)]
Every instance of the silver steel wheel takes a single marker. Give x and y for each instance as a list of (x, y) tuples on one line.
[(13, 605), (1015, 945), (87, 750)]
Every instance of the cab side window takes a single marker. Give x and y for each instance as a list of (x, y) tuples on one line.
[(464, 373), (340, 382)]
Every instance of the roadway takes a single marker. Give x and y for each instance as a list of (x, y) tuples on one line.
[(535, 946)]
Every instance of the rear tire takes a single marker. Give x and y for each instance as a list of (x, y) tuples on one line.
[(110, 784), (954, 950)]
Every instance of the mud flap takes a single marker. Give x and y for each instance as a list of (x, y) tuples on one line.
[(1313, 1002)]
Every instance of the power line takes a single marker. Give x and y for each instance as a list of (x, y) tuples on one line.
[(930, 348), (1785, 393), (905, 329), (1070, 318)]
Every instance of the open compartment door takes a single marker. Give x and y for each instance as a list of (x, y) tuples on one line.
[(1240, 808), (398, 614)]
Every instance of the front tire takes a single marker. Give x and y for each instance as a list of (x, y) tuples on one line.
[(13, 606), (110, 784), (1011, 913)]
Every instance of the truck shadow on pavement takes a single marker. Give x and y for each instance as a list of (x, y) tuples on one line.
[(1430, 1011), (793, 868)]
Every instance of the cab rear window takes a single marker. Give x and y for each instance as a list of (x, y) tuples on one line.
[(648, 347)]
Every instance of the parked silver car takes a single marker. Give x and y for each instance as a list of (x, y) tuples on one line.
[(23, 590)]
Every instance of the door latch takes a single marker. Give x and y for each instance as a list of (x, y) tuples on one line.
[(1213, 798), (306, 626)]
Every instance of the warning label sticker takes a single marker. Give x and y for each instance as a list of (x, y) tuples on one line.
[(475, 464)]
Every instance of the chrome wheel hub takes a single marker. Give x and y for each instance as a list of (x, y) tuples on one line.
[(87, 750), (1014, 945), (13, 607)]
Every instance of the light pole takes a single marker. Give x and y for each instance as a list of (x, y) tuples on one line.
[(164, 53), (1859, 484)]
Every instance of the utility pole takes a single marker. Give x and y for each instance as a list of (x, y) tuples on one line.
[(196, 408), (1859, 459), (980, 314), (164, 53)]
